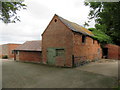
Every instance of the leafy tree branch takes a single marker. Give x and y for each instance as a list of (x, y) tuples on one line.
[(8, 12)]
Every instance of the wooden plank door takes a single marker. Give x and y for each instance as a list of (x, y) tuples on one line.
[(51, 54)]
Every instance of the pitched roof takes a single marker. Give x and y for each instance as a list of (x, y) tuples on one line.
[(30, 46), (75, 27)]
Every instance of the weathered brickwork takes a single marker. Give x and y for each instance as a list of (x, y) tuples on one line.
[(30, 51), (90, 50), (0, 51), (58, 35), (7, 50), (119, 53), (113, 51), (28, 56), (11, 47)]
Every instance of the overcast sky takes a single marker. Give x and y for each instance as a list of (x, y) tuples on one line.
[(35, 19)]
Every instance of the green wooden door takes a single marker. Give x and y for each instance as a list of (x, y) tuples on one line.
[(51, 54)]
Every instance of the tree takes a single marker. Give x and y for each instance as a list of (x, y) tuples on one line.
[(8, 12), (106, 15), (100, 35)]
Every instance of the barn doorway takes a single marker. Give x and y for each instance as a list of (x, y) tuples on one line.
[(105, 53), (56, 56), (51, 56)]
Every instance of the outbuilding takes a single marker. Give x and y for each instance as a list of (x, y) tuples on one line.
[(30, 51), (6, 50), (111, 51), (68, 44)]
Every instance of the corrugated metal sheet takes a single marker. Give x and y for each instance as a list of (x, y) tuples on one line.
[(30, 46), (75, 27)]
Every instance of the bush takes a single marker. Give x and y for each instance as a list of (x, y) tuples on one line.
[(101, 36), (5, 57)]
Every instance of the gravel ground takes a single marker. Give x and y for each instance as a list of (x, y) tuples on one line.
[(28, 75)]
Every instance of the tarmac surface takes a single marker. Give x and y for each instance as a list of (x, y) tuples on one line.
[(29, 75), (106, 67)]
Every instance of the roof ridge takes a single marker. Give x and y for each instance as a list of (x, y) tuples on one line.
[(75, 27), (30, 45), (33, 40)]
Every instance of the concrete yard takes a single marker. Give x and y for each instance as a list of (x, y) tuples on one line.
[(29, 75)]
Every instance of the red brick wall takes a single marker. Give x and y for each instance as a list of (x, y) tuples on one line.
[(30, 56), (86, 51), (57, 35), (0, 51), (113, 51), (7, 49), (10, 48), (119, 53)]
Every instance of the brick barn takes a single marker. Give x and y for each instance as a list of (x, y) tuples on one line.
[(6, 50), (30, 51), (111, 51), (68, 44)]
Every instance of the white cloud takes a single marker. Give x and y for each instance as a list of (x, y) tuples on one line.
[(35, 19)]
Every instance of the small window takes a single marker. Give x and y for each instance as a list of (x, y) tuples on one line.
[(83, 38), (12, 51), (55, 20), (60, 52)]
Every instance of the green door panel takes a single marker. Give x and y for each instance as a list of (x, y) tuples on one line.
[(51, 54)]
